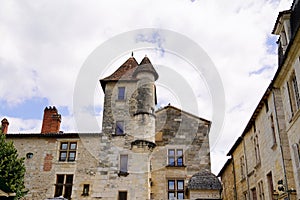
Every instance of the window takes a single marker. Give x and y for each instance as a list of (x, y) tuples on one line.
[(292, 93), (256, 150), (296, 91), (267, 105), (121, 93), (29, 155), (243, 167), (273, 129), (63, 186), (253, 192), (245, 194), (261, 190), (270, 185), (175, 189), (67, 151), (86, 189), (296, 153), (119, 128), (175, 157), (123, 163), (122, 195)]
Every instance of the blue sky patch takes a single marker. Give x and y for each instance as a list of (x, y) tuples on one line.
[(271, 44), (260, 71), (29, 109), (154, 38)]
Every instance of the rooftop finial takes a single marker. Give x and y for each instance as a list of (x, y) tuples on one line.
[(132, 54)]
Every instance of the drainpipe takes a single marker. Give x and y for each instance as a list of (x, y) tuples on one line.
[(281, 150)]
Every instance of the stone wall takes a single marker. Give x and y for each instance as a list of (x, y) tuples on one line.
[(178, 130)]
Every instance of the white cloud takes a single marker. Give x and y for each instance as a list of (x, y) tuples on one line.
[(44, 44)]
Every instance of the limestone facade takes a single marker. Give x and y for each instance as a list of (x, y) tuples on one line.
[(265, 158), (140, 153)]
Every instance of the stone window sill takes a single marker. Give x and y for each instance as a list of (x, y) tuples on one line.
[(175, 166), (116, 135)]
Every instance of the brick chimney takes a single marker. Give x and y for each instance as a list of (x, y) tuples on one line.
[(51, 120), (4, 126)]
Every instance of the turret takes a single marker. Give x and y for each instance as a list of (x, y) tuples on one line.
[(146, 100)]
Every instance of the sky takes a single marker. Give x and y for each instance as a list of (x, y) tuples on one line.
[(44, 45)]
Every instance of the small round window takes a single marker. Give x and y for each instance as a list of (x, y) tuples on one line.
[(29, 155)]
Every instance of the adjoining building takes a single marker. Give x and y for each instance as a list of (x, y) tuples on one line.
[(141, 153), (265, 160)]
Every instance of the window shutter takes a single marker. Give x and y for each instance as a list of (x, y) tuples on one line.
[(287, 102), (296, 155)]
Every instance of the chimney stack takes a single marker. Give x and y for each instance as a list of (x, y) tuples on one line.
[(51, 120), (4, 126)]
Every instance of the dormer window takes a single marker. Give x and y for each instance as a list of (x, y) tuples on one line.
[(121, 93)]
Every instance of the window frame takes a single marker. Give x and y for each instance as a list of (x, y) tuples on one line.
[(175, 190), (122, 192), (273, 131), (121, 93), (64, 187), (243, 167), (67, 151), (256, 150), (85, 190), (176, 157)]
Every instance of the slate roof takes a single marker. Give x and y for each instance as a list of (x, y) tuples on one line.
[(146, 66), (124, 72), (204, 180), (128, 70)]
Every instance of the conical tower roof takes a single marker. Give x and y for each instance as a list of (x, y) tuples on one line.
[(146, 66)]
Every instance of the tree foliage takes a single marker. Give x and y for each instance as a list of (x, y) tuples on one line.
[(12, 168)]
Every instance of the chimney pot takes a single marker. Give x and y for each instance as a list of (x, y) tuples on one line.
[(51, 120)]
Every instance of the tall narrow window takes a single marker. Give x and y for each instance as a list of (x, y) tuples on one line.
[(119, 128), (296, 91), (122, 195), (121, 93), (270, 185), (175, 189), (261, 190), (253, 192), (256, 150), (63, 186), (267, 105), (67, 151), (86, 189), (243, 167), (273, 129), (175, 157), (123, 163), (296, 152)]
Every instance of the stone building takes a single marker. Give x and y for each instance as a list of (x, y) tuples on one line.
[(264, 161), (141, 153)]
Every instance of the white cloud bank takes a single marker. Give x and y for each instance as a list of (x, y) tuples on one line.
[(44, 44)]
